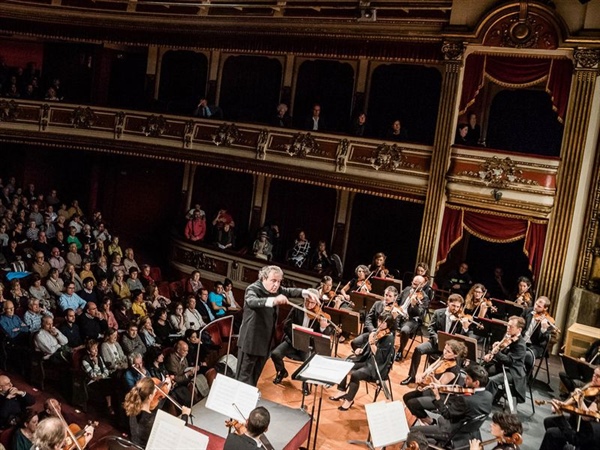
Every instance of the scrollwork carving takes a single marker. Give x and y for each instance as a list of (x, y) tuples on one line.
[(341, 159), (198, 259), (226, 135), (188, 133), (389, 158), (302, 145), (499, 173), (44, 116), (155, 126), (261, 144), (9, 111), (453, 51), (587, 58), (119, 124), (83, 118)]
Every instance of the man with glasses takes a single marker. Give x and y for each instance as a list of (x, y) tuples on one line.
[(71, 300), (13, 402)]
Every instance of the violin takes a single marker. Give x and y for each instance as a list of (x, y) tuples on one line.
[(437, 368), (162, 390), (505, 342), (381, 334), (79, 435), (573, 409), (462, 317), (454, 389), (489, 305), (538, 317), (363, 286), (239, 427), (317, 313)]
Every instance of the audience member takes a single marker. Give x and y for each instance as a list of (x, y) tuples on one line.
[(131, 341), (91, 326), (396, 132), (15, 329), (299, 253), (40, 266), (69, 299), (206, 111), (52, 343), (133, 282), (315, 121), (282, 118), (359, 125), (177, 319), (195, 229), (70, 330), (88, 293), (13, 402), (34, 315), (262, 248), (39, 292), (204, 307), (191, 315), (112, 352)]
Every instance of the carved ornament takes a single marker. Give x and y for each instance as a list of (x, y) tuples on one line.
[(453, 51), (198, 260), (188, 133), (261, 144), (9, 111), (44, 116), (302, 145), (389, 158), (226, 135), (499, 173), (119, 124), (155, 126), (83, 117), (341, 158), (587, 58)]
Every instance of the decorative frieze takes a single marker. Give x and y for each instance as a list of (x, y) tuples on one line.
[(302, 145), (9, 111), (83, 118), (226, 135), (155, 126)]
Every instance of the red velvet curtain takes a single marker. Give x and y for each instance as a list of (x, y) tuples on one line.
[(492, 228), (518, 73)]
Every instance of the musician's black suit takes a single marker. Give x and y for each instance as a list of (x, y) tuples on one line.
[(257, 330), (438, 323), (240, 442), (513, 359)]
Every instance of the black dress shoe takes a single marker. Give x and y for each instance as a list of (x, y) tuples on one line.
[(305, 389), (398, 356), (341, 408), (407, 381), (280, 376)]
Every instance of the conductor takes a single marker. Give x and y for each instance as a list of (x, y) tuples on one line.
[(259, 319)]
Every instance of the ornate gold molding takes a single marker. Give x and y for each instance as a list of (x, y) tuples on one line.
[(587, 58)]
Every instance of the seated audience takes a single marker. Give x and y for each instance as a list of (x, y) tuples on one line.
[(131, 341), (97, 374), (282, 118), (195, 228), (34, 315), (91, 326), (70, 299), (147, 333), (105, 313), (13, 402), (206, 111), (40, 266), (121, 289), (138, 305), (162, 326), (299, 253), (39, 292), (262, 248), (88, 293), (204, 307), (133, 282), (193, 283), (22, 439), (136, 370), (192, 317), (177, 319), (315, 122), (396, 132), (69, 275), (70, 330), (146, 276), (112, 352), (52, 343), (129, 260), (14, 328)]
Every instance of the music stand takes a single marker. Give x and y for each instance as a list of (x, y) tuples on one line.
[(309, 341), (506, 309), (493, 331), (577, 369), (345, 318), (379, 285), (470, 343), (363, 301), (321, 371)]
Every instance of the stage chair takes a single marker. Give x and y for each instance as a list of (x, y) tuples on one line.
[(6, 436), (461, 435), (417, 333), (385, 376), (543, 360), (529, 366)]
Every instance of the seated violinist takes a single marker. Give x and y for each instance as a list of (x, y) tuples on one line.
[(250, 436), (507, 430), (509, 352), (388, 304), (378, 268), (317, 322), (445, 371), (422, 270), (538, 326), (476, 304), (582, 428), (381, 346), (413, 304), (467, 405), (137, 405), (523, 295), (358, 284), (325, 290)]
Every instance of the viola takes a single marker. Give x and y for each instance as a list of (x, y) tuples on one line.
[(489, 305), (363, 286), (162, 390)]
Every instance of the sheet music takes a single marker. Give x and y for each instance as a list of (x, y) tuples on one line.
[(387, 423), (327, 370), (170, 432), (226, 391)]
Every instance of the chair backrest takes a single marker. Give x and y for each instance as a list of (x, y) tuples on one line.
[(387, 368), (529, 362), (466, 427), (6, 436)]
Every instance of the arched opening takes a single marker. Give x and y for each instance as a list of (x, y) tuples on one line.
[(250, 88), (329, 83), (182, 81), (405, 92)]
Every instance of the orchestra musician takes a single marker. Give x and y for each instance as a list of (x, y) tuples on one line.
[(523, 295), (317, 322), (460, 407), (413, 305), (443, 320), (358, 284), (538, 326), (51, 434), (256, 425), (325, 290), (387, 304), (378, 268), (258, 322), (507, 430), (137, 407), (579, 430), (475, 302), (422, 270), (509, 352), (444, 371), (380, 344)]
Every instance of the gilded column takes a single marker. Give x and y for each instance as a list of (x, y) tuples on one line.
[(577, 124), (440, 158)]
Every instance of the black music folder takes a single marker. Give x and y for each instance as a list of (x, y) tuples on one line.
[(347, 319), (307, 340), (577, 369), (469, 342)]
